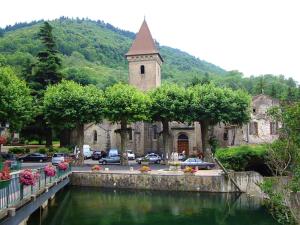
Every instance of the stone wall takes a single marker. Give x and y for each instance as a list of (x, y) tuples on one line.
[(135, 180)]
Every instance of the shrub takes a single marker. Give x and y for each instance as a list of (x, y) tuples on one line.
[(17, 150), (276, 203), (42, 150), (240, 158)]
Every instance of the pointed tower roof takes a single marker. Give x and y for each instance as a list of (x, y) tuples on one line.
[(143, 43)]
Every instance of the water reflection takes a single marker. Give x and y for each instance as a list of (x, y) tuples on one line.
[(86, 206)]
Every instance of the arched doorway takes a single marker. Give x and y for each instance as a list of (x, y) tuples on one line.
[(183, 144)]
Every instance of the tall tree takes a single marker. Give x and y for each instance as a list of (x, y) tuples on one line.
[(69, 105), (45, 72), (169, 102), (211, 105), (125, 104), (15, 100)]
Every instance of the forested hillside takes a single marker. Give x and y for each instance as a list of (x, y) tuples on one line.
[(93, 52)]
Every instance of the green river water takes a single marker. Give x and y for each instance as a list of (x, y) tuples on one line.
[(91, 206)]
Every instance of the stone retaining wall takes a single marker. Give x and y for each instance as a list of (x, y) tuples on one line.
[(181, 182)]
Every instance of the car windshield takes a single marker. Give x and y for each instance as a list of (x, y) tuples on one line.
[(58, 155)]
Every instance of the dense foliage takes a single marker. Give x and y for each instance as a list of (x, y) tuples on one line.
[(211, 104), (15, 100), (242, 158), (71, 105)]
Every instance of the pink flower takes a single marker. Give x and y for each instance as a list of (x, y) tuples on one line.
[(50, 170), (27, 177), (63, 166)]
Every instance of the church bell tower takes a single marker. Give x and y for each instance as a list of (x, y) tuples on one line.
[(144, 61)]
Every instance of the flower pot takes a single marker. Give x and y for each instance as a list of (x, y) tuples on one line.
[(4, 183)]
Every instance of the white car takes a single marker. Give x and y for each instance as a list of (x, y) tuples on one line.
[(58, 158), (130, 154), (87, 152)]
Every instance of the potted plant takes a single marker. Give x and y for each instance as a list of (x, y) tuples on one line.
[(144, 169), (5, 177), (49, 170), (189, 170), (28, 177), (96, 168), (63, 166)]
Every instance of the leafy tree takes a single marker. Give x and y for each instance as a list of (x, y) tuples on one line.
[(70, 105), (125, 104), (211, 105), (15, 100), (170, 102)]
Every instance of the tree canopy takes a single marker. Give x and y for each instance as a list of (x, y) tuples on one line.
[(169, 102), (15, 100), (125, 104), (211, 105), (68, 104)]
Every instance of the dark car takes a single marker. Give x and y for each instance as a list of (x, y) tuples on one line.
[(33, 157), (97, 155), (193, 162), (151, 158)]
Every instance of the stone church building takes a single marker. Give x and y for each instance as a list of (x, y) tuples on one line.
[(144, 63)]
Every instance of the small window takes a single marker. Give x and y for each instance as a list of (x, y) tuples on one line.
[(253, 128), (225, 135), (142, 69), (154, 132), (273, 128), (130, 135), (95, 137)]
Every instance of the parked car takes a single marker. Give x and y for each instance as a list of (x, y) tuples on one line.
[(97, 155), (33, 157), (151, 158), (110, 159), (181, 157), (58, 158), (193, 162), (130, 154), (13, 163), (113, 152), (87, 152)]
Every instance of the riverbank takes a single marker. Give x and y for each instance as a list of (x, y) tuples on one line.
[(201, 181)]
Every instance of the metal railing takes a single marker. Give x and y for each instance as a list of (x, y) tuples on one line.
[(14, 193)]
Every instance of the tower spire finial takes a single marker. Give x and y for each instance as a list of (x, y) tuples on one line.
[(144, 17)]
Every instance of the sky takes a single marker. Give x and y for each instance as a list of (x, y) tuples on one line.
[(252, 36)]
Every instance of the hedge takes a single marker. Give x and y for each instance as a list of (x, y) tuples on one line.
[(239, 158)]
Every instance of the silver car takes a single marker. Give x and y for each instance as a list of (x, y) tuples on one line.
[(193, 162), (58, 158)]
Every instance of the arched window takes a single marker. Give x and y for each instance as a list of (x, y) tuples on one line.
[(95, 137), (142, 69)]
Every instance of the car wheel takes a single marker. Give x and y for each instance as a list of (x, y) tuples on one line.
[(139, 162), (104, 162), (208, 167), (22, 160), (158, 162)]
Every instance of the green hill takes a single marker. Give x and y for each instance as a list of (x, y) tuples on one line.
[(93, 52)]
